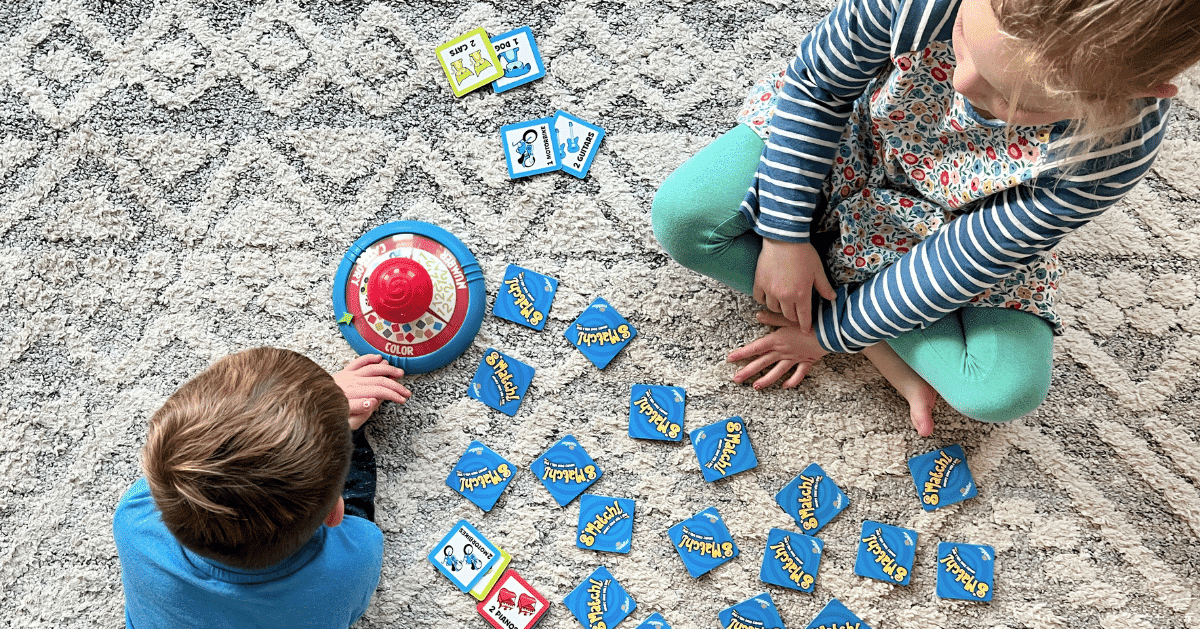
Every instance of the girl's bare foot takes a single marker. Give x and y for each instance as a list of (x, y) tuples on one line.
[(920, 395), (920, 407)]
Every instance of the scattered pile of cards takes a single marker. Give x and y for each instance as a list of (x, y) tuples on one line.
[(703, 542), (473, 60), (792, 560), (525, 297), (508, 601), (475, 565), (560, 142)]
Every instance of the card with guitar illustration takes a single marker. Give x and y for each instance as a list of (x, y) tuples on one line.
[(578, 142)]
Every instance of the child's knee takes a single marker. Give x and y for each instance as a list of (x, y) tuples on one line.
[(676, 226), (1007, 395)]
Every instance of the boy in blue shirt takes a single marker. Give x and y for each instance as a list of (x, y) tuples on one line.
[(257, 503)]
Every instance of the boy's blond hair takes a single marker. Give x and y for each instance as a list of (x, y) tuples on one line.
[(1095, 55), (248, 458)]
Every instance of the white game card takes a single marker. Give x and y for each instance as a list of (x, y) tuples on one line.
[(464, 555), (578, 143), (513, 604), (529, 147)]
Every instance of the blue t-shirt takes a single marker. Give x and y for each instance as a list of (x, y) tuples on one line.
[(325, 584)]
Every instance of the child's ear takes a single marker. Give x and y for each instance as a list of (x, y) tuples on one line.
[(336, 514), (1162, 90)]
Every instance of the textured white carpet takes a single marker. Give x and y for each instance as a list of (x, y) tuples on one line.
[(179, 180)]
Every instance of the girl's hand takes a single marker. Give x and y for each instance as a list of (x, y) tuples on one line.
[(786, 347), (786, 275), (367, 381)]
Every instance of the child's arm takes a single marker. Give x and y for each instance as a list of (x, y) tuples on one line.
[(979, 249), (367, 381), (834, 65)]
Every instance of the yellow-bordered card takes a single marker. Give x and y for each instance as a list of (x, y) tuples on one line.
[(469, 61)]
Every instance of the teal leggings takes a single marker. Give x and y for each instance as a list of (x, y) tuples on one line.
[(991, 364)]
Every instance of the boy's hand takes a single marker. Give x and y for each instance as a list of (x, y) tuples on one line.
[(367, 381), (786, 347), (786, 276)]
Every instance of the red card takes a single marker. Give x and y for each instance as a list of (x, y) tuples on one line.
[(513, 603)]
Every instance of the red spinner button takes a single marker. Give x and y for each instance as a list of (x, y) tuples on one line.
[(400, 290)]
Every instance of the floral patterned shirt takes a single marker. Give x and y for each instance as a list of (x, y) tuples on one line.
[(1007, 219)]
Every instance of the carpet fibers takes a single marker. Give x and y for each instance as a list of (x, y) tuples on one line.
[(179, 180)]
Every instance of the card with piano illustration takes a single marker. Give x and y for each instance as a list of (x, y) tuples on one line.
[(513, 603)]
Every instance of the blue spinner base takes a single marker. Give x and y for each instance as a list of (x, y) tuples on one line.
[(402, 343)]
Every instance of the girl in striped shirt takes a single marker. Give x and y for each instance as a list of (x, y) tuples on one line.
[(926, 156)]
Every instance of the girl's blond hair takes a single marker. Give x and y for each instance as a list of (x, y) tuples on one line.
[(1096, 55)]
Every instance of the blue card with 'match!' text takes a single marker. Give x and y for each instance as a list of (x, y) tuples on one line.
[(566, 470), (791, 560), (723, 449), (525, 297), (501, 382), (942, 477), (481, 475), (605, 523), (886, 553), (600, 601), (966, 571), (703, 542), (656, 412), (758, 612), (812, 499)]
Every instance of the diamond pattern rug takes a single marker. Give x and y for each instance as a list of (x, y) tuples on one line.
[(179, 180)]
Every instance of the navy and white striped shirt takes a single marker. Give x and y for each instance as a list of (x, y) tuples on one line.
[(1008, 230)]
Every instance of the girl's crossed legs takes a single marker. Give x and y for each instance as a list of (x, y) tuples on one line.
[(991, 364)]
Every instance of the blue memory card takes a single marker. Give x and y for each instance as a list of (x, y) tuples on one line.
[(464, 555), (753, 612), (942, 477), (835, 616), (966, 571), (723, 449), (525, 297), (566, 470), (578, 143), (600, 332), (501, 382), (886, 553), (654, 621), (519, 57), (791, 560), (812, 499), (703, 542), (481, 475), (656, 412), (605, 523), (600, 601)]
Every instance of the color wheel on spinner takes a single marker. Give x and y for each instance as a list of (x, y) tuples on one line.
[(412, 292)]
